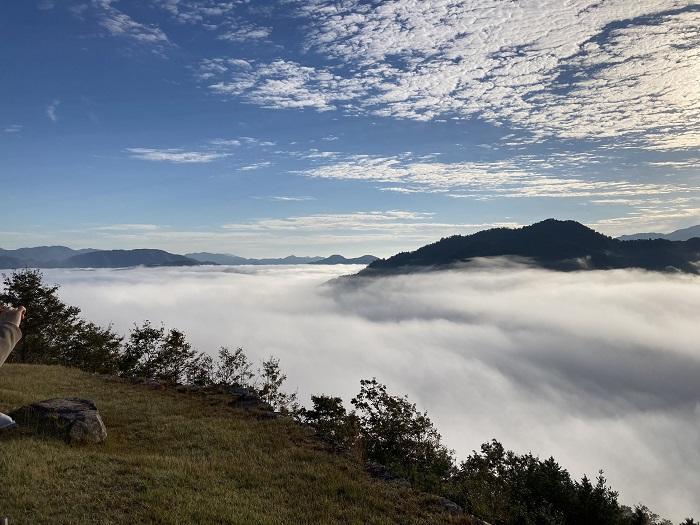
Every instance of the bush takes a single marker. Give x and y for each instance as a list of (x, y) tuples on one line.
[(332, 423), (395, 434)]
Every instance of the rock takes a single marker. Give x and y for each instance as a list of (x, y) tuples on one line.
[(449, 506), (71, 419), (247, 399)]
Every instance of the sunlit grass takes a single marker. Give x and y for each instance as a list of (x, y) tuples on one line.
[(182, 458)]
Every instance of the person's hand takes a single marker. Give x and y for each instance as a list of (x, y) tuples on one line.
[(12, 315)]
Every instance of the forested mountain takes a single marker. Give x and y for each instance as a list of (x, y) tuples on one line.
[(339, 259), (553, 244), (62, 257), (124, 258)]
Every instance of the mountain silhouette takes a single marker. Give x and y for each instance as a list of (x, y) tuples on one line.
[(226, 258), (125, 258), (339, 259), (552, 244), (678, 235)]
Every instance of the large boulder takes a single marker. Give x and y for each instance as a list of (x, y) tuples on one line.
[(71, 419)]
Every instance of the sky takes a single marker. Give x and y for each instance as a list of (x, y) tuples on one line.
[(598, 369), (318, 126)]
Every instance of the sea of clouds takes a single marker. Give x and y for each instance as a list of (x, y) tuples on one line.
[(598, 369)]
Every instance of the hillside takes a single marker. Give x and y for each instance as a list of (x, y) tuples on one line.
[(62, 257), (124, 258), (552, 244), (182, 458), (225, 258), (339, 259), (677, 235)]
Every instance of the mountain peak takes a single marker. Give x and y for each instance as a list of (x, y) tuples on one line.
[(553, 244)]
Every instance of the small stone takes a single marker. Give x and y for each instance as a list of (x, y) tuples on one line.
[(71, 419)]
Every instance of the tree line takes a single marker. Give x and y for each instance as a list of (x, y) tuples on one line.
[(494, 484)]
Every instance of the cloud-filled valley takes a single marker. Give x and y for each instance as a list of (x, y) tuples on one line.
[(598, 369)]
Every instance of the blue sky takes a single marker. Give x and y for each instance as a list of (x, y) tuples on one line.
[(313, 127)]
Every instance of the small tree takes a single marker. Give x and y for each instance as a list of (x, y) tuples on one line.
[(395, 434), (332, 423), (233, 368), (269, 387)]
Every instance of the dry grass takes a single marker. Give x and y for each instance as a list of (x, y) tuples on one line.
[(178, 458)]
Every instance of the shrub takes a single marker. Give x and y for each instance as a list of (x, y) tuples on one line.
[(332, 423), (395, 434)]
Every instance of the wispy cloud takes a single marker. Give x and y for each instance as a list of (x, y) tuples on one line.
[(523, 176), (176, 155), (13, 128), (119, 24), (256, 166), (290, 198), (51, 110), (127, 227), (246, 33)]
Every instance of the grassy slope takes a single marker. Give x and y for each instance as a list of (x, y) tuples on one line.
[(181, 458)]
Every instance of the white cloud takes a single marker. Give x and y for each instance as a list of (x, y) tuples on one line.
[(225, 142), (118, 23), (51, 110), (598, 369), (127, 227), (175, 155), (280, 84), (256, 166), (584, 69), (524, 176), (246, 33), (13, 128), (291, 198)]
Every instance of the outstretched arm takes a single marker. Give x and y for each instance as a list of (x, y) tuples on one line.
[(10, 334)]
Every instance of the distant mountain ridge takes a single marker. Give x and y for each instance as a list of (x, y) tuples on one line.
[(64, 257), (339, 259), (683, 234), (552, 244), (225, 258)]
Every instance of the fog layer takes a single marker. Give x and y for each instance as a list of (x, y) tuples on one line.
[(598, 369)]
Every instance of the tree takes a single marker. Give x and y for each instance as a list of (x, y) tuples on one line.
[(332, 423), (53, 332), (49, 324), (158, 354), (395, 434), (269, 387), (233, 368)]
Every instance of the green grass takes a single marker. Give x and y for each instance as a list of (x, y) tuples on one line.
[(182, 458)]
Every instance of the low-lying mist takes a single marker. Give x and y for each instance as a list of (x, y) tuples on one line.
[(598, 369)]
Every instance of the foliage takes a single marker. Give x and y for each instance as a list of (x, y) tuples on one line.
[(395, 434), (53, 332), (269, 387), (233, 368), (158, 354), (332, 423)]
